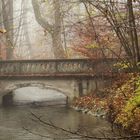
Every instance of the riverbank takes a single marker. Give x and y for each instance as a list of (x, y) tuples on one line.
[(121, 105), (92, 105)]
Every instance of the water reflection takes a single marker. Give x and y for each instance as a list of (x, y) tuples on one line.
[(13, 119)]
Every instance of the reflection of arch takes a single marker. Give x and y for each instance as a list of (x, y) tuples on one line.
[(7, 97)]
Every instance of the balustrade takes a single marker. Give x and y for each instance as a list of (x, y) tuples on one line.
[(46, 67)]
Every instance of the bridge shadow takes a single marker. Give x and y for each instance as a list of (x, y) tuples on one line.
[(7, 100)]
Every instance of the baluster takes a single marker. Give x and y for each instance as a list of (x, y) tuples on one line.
[(31, 68), (59, 67), (68, 67), (46, 68), (12, 68), (20, 68), (90, 67), (27, 66), (36, 68), (80, 67), (5, 68), (52, 67), (0, 68), (75, 67), (8, 68), (63, 66), (24, 68), (16, 68), (83, 67), (71, 67), (43, 68)]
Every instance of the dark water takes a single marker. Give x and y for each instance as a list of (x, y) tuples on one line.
[(13, 119)]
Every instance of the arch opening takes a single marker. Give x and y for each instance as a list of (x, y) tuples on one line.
[(7, 100), (34, 96)]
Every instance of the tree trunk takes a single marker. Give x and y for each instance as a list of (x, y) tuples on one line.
[(133, 31), (7, 12), (57, 45), (56, 36), (54, 30)]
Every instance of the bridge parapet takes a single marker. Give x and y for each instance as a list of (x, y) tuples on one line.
[(54, 67)]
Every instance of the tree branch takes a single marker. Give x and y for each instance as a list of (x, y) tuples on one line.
[(82, 136)]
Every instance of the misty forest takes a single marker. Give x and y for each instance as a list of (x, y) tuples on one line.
[(70, 69)]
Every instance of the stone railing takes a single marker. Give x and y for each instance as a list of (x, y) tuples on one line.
[(52, 67)]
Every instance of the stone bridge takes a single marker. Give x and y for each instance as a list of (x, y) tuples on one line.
[(72, 77)]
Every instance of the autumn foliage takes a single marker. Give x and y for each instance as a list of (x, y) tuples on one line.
[(96, 40), (121, 104)]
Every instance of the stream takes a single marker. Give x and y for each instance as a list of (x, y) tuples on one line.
[(14, 121)]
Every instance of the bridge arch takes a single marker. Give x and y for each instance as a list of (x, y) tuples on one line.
[(70, 87)]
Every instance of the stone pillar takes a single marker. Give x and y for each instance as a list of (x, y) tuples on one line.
[(80, 87)]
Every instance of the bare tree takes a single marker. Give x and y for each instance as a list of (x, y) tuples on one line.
[(53, 29), (121, 16)]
